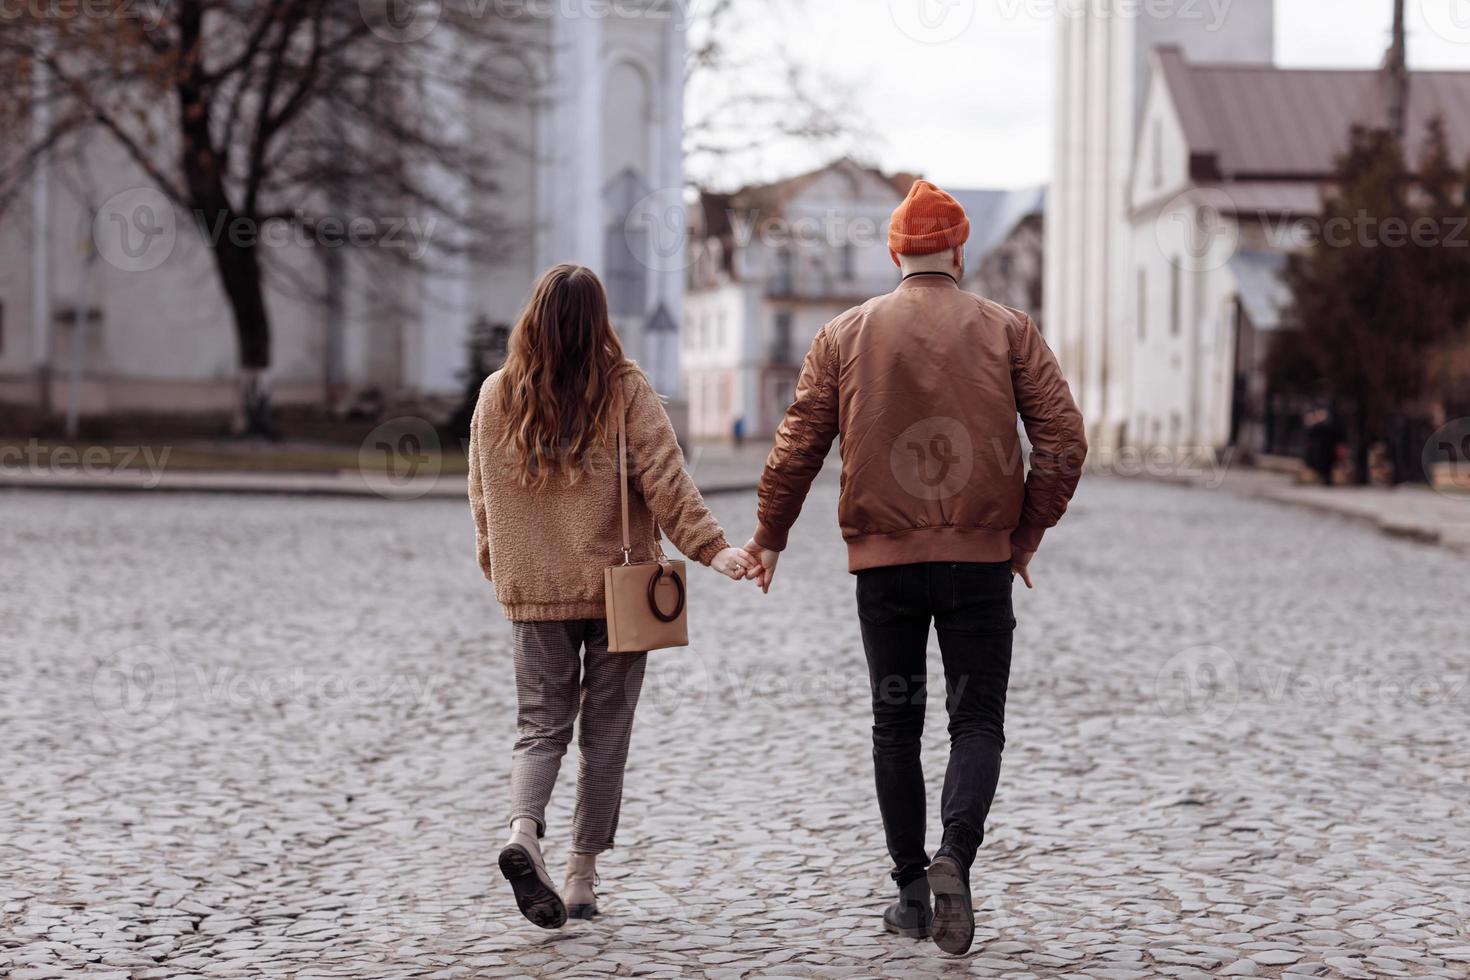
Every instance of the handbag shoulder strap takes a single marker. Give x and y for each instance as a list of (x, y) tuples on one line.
[(622, 410)]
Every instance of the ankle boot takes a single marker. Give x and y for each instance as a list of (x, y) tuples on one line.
[(581, 877), (910, 916), (524, 868), (953, 928)]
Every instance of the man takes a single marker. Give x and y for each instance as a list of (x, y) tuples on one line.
[(924, 385)]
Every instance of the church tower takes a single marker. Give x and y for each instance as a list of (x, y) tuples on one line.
[(1102, 54)]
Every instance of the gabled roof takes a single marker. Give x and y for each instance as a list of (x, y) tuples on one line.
[(771, 198), (1260, 122), (716, 208), (993, 213)]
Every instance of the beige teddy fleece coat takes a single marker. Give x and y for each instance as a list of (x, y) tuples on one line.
[(545, 550)]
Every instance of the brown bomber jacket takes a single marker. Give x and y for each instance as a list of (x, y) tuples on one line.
[(924, 385)]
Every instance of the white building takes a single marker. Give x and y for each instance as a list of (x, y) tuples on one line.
[(771, 265), (1103, 57), (591, 165), (1229, 169)]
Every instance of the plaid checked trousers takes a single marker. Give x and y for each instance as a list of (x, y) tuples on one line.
[(555, 683)]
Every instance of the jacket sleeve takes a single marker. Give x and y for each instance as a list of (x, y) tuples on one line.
[(477, 491), (1054, 426), (656, 469), (802, 443)]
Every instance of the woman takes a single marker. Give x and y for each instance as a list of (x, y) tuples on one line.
[(544, 491)]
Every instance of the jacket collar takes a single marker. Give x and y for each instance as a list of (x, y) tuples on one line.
[(921, 280)]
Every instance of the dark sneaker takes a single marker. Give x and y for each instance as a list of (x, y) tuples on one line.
[(911, 915), (953, 929), (538, 901)]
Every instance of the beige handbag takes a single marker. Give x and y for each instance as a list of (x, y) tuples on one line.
[(647, 606)]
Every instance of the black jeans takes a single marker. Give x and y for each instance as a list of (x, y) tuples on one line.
[(970, 605)]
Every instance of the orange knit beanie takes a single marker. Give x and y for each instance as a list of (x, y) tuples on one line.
[(928, 221)]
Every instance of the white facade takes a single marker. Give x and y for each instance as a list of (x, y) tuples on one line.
[(1090, 273), (581, 163), (792, 257)]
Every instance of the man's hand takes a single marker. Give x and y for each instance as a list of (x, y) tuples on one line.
[(1021, 565), (767, 569)]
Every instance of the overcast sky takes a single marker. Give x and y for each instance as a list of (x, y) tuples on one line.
[(975, 111)]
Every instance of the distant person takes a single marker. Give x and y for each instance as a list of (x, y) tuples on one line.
[(543, 486), (924, 386), (1323, 437), (738, 432)]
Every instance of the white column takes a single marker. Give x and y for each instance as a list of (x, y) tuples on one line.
[(669, 128)]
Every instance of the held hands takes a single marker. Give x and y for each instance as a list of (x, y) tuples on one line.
[(736, 563), (765, 569)]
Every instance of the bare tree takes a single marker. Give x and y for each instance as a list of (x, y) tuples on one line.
[(311, 113), (746, 92)]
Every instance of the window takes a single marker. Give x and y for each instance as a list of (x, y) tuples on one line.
[(1176, 288), (1142, 306), (627, 273), (1158, 141), (785, 272), (781, 338)]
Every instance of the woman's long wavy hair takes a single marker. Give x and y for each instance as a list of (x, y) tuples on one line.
[(560, 378)]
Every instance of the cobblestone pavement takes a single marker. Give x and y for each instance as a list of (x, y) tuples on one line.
[(270, 737)]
